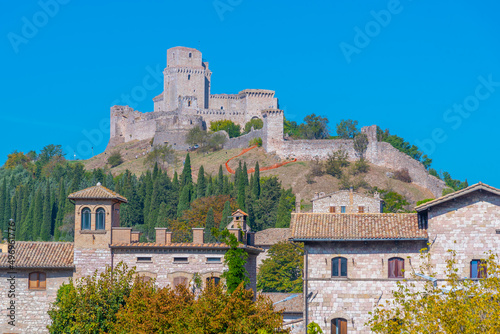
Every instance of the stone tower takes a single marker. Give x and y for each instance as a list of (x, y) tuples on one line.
[(97, 212), (186, 75), (273, 130)]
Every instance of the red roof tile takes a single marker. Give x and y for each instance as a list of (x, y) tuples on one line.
[(97, 192), (357, 226), (271, 236), (30, 254)]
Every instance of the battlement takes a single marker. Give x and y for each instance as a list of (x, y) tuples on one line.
[(264, 93), (184, 57), (225, 96)]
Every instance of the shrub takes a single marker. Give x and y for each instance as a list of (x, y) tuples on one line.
[(403, 175), (317, 168), (255, 141), (360, 144), (359, 167), (424, 201), (232, 129), (256, 123), (335, 162), (115, 159)]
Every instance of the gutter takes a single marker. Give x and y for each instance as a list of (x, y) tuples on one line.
[(346, 240)]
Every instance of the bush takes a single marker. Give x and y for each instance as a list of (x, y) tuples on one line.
[(256, 123), (115, 159), (359, 167), (424, 201), (232, 129), (403, 175), (317, 168), (335, 162), (255, 141)]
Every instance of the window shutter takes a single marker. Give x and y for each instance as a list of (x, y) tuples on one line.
[(343, 326), (33, 280), (334, 326), (42, 280), (361, 209), (332, 209), (392, 271), (401, 267), (343, 267), (335, 267)]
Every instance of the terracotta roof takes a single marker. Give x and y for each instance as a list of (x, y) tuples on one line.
[(240, 212), (97, 192), (271, 236), (355, 226), (468, 190), (29, 254), (186, 245), (293, 305)]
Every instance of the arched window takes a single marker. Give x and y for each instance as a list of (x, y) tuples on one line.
[(478, 269), (37, 281), (189, 76), (189, 103), (180, 280), (213, 280), (100, 219), (339, 326), (339, 267), (190, 54), (396, 267), (86, 219)]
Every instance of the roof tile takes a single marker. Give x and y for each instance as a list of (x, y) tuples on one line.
[(97, 192), (30, 254)]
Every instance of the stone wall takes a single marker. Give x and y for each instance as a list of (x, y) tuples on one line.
[(244, 140), (350, 200), (31, 305)]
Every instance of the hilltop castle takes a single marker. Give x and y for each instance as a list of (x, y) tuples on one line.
[(186, 102)]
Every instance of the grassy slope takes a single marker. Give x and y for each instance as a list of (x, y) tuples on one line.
[(291, 175)]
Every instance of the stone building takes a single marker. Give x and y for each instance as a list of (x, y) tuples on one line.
[(346, 201), (39, 268), (266, 238), (353, 261)]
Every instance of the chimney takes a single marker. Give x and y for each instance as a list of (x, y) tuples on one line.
[(135, 236), (168, 238), (251, 238), (235, 232), (297, 203), (198, 235), (161, 235)]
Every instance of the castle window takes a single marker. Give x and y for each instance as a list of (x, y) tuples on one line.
[(396, 267), (189, 76), (86, 219), (332, 209), (339, 326), (37, 281), (342, 209), (100, 221), (478, 269), (339, 267), (221, 108), (190, 54), (361, 209), (189, 103)]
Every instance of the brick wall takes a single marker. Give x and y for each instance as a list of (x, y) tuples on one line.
[(31, 305)]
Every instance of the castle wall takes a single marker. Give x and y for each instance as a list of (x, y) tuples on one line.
[(244, 140), (31, 305), (226, 102)]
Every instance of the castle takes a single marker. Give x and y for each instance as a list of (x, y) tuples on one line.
[(186, 102)]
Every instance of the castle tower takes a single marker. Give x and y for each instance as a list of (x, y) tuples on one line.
[(185, 75), (273, 130), (97, 211)]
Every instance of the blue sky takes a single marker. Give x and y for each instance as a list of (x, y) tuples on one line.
[(429, 71)]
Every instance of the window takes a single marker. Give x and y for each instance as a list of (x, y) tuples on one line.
[(190, 54), (339, 326), (396, 267), (213, 280), (189, 76), (37, 281), (180, 259), (342, 209), (143, 259), (221, 108), (478, 269), (189, 103), (339, 267), (100, 220), (361, 209), (214, 259), (180, 280), (86, 219), (332, 209)]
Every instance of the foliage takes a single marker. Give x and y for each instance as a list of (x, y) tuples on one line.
[(314, 127), (232, 129), (456, 306), (403, 175), (356, 183), (454, 184), (282, 270), (434, 172), (335, 162), (360, 144), (313, 328), (447, 191), (16, 159), (286, 205), (424, 201), (206, 141), (161, 155), (360, 166), (235, 259), (393, 202), (115, 159), (91, 303), (195, 136), (209, 225), (255, 141), (164, 310), (347, 129), (256, 123)]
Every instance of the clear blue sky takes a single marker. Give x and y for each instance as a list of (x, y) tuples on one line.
[(60, 73)]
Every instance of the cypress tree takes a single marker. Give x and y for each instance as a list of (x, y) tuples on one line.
[(162, 220), (241, 194), (61, 202), (209, 225), (210, 187), (47, 215), (251, 215), (244, 174), (13, 206), (256, 182), (37, 214), (2, 207), (7, 213), (19, 206), (220, 181), (27, 227), (227, 186), (186, 177), (175, 182), (225, 216), (184, 201), (156, 171), (201, 186), (24, 213)]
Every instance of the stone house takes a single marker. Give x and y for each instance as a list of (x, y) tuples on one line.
[(39, 268), (353, 261), (346, 201)]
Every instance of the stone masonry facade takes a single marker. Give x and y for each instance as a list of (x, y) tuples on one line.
[(347, 200)]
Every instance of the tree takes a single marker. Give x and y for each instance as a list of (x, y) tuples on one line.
[(201, 185), (232, 129), (393, 202), (37, 214), (162, 155), (255, 123), (315, 127), (285, 208), (184, 200), (47, 216), (196, 136), (335, 162), (256, 182), (225, 217), (360, 144), (282, 270), (16, 159), (454, 305), (115, 159), (235, 259), (90, 304), (209, 225), (49, 152), (186, 177), (347, 129)]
